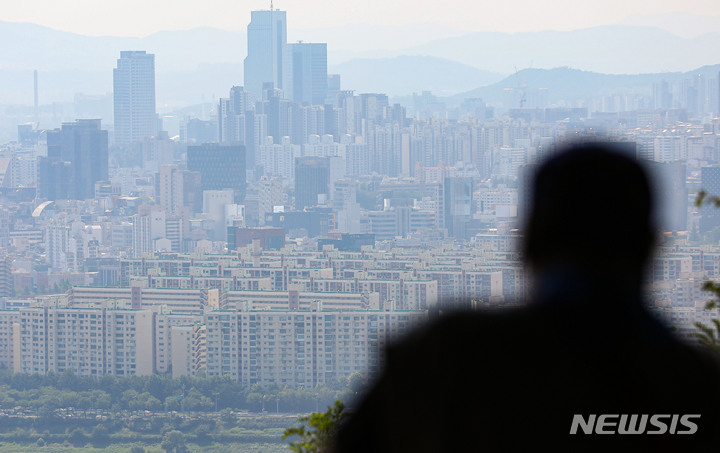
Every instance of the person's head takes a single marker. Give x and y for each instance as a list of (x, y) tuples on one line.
[(591, 210)]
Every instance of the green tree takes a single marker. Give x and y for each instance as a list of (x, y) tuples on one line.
[(100, 434), (317, 429), (202, 433), (152, 403), (228, 417), (77, 437), (356, 382), (254, 401), (172, 403), (173, 442), (709, 336)]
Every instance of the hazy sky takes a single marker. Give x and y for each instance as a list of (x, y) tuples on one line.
[(142, 17)]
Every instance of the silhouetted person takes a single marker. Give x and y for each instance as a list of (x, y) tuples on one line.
[(515, 380)]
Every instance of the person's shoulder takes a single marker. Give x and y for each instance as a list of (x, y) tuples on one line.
[(703, 365), (488, 319)]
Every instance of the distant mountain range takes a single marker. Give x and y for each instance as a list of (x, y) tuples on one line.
[(610, 49), (571, 84), (206, 62), (409, 74), (30, 46)]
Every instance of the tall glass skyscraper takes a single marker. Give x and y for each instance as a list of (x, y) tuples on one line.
[(266, 37), (134, 97), (306, 73)]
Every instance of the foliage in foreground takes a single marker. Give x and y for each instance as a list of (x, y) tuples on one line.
[(317, 429), (153, 448), (709, 336)]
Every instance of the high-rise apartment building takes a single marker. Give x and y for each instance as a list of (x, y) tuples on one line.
[(179, 191), (134, 97), (305, 73), (232, 116), (302, 347), (88, 342), (239, 124), (267, 38), (147, 228)]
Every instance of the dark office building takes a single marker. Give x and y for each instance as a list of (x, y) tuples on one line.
[(54, 179), (199, 131), (669, 189), (77, 159), (6, 277), (315, 223), (710, 183), (349, 242), (221, 166), (312, 178), (29, 135), (458, 206), (270, 238)]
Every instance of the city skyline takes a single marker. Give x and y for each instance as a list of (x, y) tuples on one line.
[(265, 181)]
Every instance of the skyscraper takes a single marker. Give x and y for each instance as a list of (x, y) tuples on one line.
[(668, 185), (134, 97), (77, 159), (221, 166), (710, 182), (305, 72), (266, 37), (458, 205)]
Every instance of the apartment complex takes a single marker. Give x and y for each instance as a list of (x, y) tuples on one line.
[(294, 316), (304, 347), (89, 342), (283, 347)]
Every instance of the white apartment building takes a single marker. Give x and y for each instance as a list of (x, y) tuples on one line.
[(165, 354), (89, 342), (298, 299), (410, 294), (189, 351), (301, 347), (8, 320), (170, 299)]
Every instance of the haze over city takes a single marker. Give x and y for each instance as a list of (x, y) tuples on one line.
[(120, 18)]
